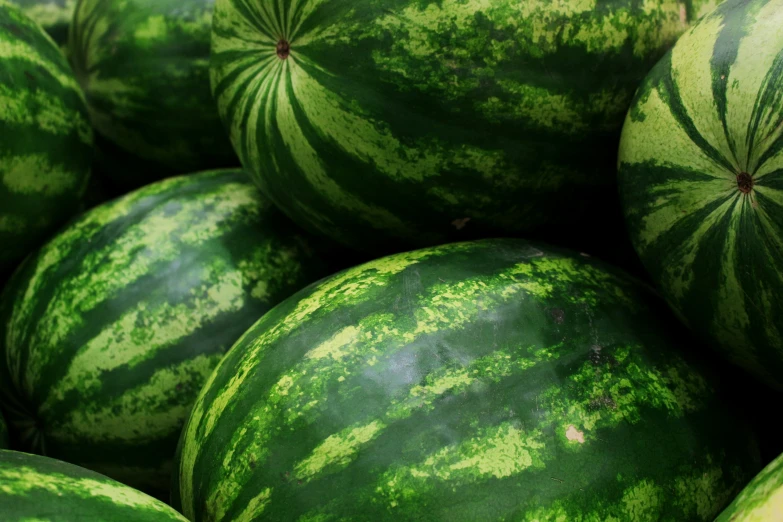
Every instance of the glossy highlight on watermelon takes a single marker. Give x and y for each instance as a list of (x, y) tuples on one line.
[(109, 331), (409, 122), (53, 15), (143, 66), (701, 179), (36, 488), (45, 138), (761, 500), (490, 380)]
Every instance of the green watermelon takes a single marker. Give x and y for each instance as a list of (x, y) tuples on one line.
[(488, 380), (45, 137), (109, 331), (53, 15), (143, 66), (761, 500), (41, 489), (414, 121), (701, 179)]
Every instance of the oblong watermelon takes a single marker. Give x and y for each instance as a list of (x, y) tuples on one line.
[(412, 121), (701, 179), (143, 66), (45, 137), (41, 489), (108, 332), (493, 380), (53, 15), (761, 500)]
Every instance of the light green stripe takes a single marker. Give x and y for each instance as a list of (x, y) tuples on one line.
[(26, 110), (18, 49), (107, 272), (125, 344), (33, 174), (677, 279), (658, 134), (773, 164), (754, 60), (148, 408), (22, 480), (330, 294), (51, 13), (691, 62)]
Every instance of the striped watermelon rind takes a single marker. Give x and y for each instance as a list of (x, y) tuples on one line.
[(45, 137), (701, 178), (40, 488), (144, 69), (53, 15), (167, 277), (492, 380), (416, 121), (761, 500)]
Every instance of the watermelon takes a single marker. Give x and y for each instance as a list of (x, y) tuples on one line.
[(761, 500), (38, 488), (108, 332), (45, 137), (701, 180), (53, 15), (415, 121), (486, 380), (144, 69)]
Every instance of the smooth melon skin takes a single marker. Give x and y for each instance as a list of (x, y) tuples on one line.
[(108, 332), (45, 138), (488, 380), (143, 66), (391, 123), (40, 489), (761, 500), (701, 181)]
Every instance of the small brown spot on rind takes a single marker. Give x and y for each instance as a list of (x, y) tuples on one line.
[(744, 182), (283, 49)]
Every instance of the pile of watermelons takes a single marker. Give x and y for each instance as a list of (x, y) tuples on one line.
[(405, 260)]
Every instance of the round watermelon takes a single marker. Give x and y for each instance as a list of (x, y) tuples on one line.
[(701, 179), (53, 15), (761, 500), (45, 137), (38, 488), (109, 331), (410, 121), (143, 66), (488, 380)]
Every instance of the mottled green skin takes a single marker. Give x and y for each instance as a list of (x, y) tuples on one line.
[(761, 500), (40, 489), (3, 433), (53, 15), (110, 330), (45, 137), (143, 66), (493, 380), (410, 122), (709, 111)]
